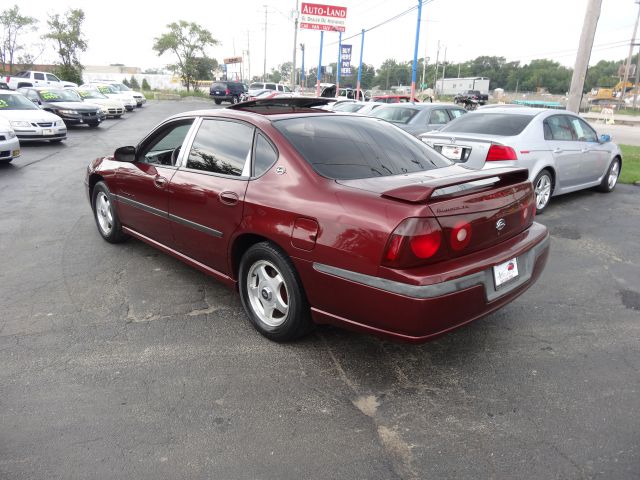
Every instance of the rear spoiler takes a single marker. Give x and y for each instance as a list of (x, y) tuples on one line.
[(421, 192)]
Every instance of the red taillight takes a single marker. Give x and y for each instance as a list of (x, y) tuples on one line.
[(425, 246), (227, 91), (413, 242), (460, 236), (500, 152)]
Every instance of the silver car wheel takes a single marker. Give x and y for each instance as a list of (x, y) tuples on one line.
[(543, 191), (267, 293), (614, 173), (104, 213)]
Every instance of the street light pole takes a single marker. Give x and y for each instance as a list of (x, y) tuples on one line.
[(264, 71)]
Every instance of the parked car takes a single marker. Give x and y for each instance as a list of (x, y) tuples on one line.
[(562, 152), (322, 217), (110, 91), (392, 99), (67, 104), (369, 107), (223, 91), (31, 78), (110, 107), (122, 88), (9, 143), (471, 95), (29, 121), (4, 86), (348, 106), (278, 87), (417, 118)]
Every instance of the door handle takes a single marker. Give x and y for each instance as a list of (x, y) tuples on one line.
[(557, 150), (159, 181), (229, 198), (585, 150)]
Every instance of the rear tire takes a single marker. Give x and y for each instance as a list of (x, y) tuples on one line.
[(610, 179), (272, 294), (218, 102), (234, 100), (105, 215), (543, 188)]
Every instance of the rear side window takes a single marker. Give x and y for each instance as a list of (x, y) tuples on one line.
[(558, 128), (265, 156), (38, 76), (221, 147), (439, 117), (457, 112), (270, 86), (489, 123), (352, 147), (256, 86), (397, 115)]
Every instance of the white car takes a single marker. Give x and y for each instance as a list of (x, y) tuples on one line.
[(29, 121), (9, 144), (111, 107), (112, 92), (122, 88)]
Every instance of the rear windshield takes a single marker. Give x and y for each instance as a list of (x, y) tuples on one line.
[(489, 123), (219, 86), (396, 115), (350, 147)]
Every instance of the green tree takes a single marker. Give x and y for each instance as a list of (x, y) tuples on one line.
[(185, 40), (133, 83), (126, 82), (66, 32), (205, 67), (145, 84), (13, 24)]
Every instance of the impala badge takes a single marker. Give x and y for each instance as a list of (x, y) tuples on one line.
[(281, 170), (500, 224)]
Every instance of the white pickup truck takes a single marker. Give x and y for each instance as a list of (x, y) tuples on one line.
[(30, 78)]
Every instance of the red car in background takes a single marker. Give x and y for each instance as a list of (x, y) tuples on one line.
[(321, 217)]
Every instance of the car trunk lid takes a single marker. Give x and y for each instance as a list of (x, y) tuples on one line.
[(468, 149)]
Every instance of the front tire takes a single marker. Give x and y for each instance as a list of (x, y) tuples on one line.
[(106, 216), (272, 294), (234, 100), (610, 179), (543, 188)]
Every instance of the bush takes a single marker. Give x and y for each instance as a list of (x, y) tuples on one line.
[(126, 82), (145, 84), (133, 83)]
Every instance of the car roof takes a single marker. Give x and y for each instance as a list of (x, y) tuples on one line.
[(420, 105), (514, 111)]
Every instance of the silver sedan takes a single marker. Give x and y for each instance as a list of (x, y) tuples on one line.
[(418, 118), (562, 152)]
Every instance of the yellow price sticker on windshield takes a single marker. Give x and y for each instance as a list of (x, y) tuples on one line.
[(3, 104)]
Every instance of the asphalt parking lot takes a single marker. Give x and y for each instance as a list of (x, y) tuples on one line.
[(121, 362)]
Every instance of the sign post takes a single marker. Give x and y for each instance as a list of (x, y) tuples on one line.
[(360, 67), (415, 55), (319, 65), (339, 65)]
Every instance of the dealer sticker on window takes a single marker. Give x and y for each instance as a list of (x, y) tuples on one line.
[(505, 271)]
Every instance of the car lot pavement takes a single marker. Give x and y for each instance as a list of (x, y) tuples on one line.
[(121, 362)]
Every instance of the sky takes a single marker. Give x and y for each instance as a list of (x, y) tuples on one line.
[(123, 32)]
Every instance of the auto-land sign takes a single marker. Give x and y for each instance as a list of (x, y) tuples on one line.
[(330, 18)]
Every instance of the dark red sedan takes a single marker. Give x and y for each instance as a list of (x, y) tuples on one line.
[(321, 217)]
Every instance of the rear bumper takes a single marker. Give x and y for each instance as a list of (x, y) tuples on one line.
[(418, 313)]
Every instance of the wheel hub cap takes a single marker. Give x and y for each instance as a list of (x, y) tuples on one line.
[(267, 293)]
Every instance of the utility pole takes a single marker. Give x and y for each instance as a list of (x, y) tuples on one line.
[(424, 64), (248, 60), (264, 70), (584, 52), (628, 65), (295, 46), (303, 80), (635, 91), (414, 65), (444, 65), (435, 75)]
